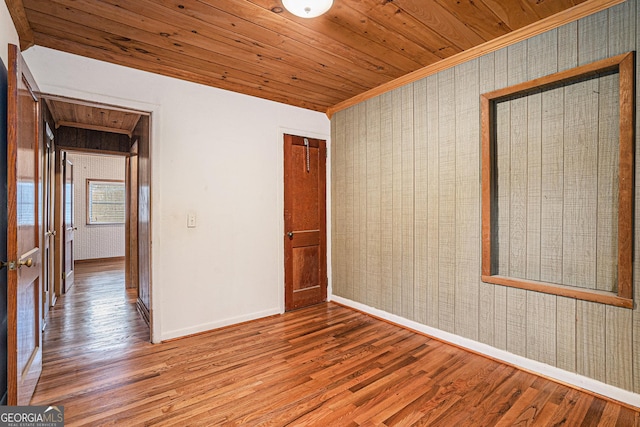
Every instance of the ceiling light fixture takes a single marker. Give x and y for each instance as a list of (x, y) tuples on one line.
[(307, 8)]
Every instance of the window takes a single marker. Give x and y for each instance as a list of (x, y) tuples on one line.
[(105, 202)]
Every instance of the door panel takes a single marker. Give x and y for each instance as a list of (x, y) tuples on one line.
[(23, 233), (68, 224), (305, 221)]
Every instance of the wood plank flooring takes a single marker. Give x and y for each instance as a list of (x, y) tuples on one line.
[(322, 366)]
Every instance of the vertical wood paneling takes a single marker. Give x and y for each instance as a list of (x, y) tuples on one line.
[(406, 211), (486, 291), (580, 184), (620, 349), (622, 28), (516, 321), (433, 201), (517, 128), (386, 200), (568, 46), (607, 184), (534, 185), (355, 252), (338, 207), (542, 60), (502, 118), (503, 179), (592, 34), (407, 202), (553, 207), (541, 309), (581, 197), (566, 334), (552, 186), (590, 340), (517, 163), (397, 201), (541, 332), (446, 204), (350, 253), (373, 230), (362, 284), (467, 217), (421, 211)]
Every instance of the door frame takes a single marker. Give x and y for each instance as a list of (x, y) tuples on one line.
[(280, 185), (142, 109)]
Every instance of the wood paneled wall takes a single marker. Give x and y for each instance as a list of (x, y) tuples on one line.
[(85, 139), (406, 209), (556, 207)]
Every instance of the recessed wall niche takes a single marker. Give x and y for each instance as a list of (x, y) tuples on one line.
[(557, 183)]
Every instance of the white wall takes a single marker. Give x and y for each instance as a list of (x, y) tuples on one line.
[(8, 33), (217, 154), (98, 240)]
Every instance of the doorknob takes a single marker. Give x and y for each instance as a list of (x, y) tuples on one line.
[(3, 264), (27, 263), (290, 234)]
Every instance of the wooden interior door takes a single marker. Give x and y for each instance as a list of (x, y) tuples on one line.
[(3, 234), (305, 239), (68, 223), (24, 340), (48, 178)]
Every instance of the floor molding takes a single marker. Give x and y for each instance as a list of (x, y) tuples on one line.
[(571, 379)]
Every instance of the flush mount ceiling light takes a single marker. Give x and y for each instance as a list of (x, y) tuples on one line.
[(307, 8)]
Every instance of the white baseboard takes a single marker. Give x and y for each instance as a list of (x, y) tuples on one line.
[(205, 327), (570, 378)]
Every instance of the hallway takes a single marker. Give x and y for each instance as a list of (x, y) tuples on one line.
[(92, 327)]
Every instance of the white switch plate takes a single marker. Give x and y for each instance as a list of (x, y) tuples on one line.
[(191, 220)]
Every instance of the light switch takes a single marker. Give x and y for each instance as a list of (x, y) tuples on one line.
[(191, 220)]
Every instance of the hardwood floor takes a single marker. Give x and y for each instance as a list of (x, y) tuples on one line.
[(320, 366)]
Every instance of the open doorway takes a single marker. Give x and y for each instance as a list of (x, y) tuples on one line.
[(102, 152)]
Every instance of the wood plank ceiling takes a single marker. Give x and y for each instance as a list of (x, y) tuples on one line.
[(80, 115), (257, 48)]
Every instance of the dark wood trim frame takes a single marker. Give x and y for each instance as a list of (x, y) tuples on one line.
[(623, 64)]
